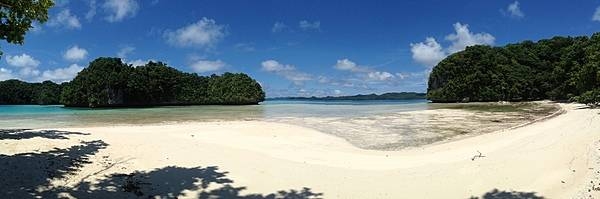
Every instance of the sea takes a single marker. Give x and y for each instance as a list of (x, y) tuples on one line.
[(372, 125), (55, 116)]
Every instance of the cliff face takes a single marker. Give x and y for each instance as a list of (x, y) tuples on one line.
[(115, 97), (436, 81)]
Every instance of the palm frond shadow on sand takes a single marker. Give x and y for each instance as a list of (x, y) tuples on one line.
[(20, 134), (30, 175), (497, 194), (23, 174), (175, 182)]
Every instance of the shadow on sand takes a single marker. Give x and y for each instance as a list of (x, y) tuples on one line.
[(19, 134), (31, 175), (175, 182), (24, 174), (497, 194)]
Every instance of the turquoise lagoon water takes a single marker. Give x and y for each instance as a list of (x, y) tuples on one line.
[(33, 116)]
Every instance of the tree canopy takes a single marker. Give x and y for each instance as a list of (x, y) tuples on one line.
[(17, 16), (19, 92), (110, 82), (560, 68)]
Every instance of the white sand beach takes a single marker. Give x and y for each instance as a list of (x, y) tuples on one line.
[(554, 158)]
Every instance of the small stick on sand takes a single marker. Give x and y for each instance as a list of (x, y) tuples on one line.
[(477, 156)]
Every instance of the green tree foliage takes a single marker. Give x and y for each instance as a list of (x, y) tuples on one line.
[(47, 92), (556, 69), (153, 83), (16, 17), (591, 98), (19, 92), (109, 82), (232, 88), (102, 83)]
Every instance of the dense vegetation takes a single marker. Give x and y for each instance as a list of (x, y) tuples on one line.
[(385, 96), (108, 82), (560, 68), (16, 17), (18, 92)]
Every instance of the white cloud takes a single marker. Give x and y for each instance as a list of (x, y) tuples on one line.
[(322, 79), (120, 9), (245, 47), (278, 27), (27, 70), (348, 65), (514, 10), (401, 75), (202, 66), (428, 53), (36, 27), (337, 92), (464, 37), (92, 11), (306, 25), (274, 66), (125, 51), (75, 54), (302, 25), (365, 72), (22, 61), (139, 62), (345, 64), (380, 76), (61, 74), (596, 16), (6, 74), (26, 64), (65, 19), (204, 33), (61, 3), (346, 82), (287, 71)]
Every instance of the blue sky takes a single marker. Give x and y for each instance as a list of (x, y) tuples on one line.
[(293, 48)]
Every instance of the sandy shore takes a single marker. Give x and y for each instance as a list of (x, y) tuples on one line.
[(555, 158)]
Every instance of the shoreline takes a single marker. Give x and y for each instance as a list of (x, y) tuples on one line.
[(265, 157), (556, 113), (406, 127)]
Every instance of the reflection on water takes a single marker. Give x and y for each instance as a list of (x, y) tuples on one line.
[(58, 116)]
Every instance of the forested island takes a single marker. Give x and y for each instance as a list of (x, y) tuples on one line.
[(385, 96), (108, 82), (19, 92), (561, 68)]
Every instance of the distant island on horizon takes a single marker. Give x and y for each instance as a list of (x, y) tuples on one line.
[(384, 96)]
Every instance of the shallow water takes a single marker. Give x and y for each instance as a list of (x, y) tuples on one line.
[(32, 116), (379, 125)]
